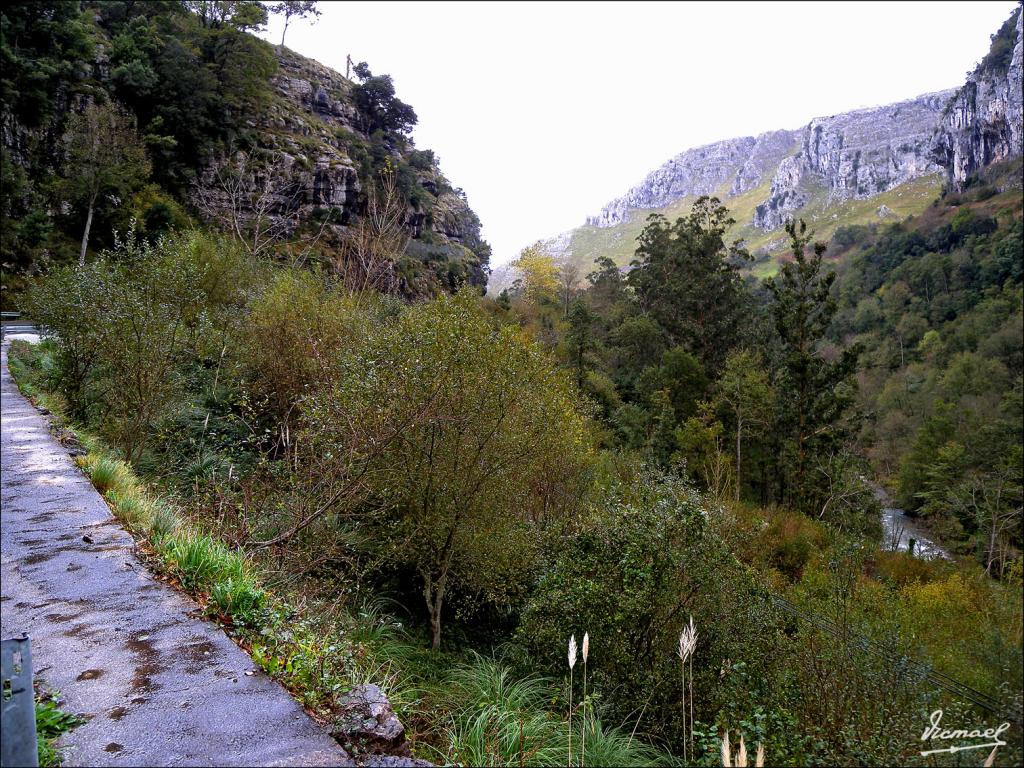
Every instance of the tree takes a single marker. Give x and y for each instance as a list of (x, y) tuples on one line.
[(607, 288), (538, 273), (253, 199), (814, 392), (379, 108), (375, 243), (466, 440), (42, 49), (241, 14), (299, 9), (568, 278), (579, 338), (686, 278), (745, 390), (681, 376), (103, 156)]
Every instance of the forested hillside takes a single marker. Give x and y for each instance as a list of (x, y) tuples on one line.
[(936, 305), (172, 114)]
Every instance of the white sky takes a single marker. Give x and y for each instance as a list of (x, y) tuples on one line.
[(543, 112)]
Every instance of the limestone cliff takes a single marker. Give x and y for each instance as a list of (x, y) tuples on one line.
[(858, 167), (983, 122), (856, 155), (312, 129), (699, 171), (852, 155)]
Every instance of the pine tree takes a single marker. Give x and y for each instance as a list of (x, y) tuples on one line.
[(815, 393)]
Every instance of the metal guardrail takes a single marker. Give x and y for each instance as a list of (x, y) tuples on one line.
[(18, 708), (14, 322)]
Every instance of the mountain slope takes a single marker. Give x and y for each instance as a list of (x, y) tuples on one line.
[(858, 167)]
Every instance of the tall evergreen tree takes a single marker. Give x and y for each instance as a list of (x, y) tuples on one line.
[(686, 278), (579, 338), (815, 392)]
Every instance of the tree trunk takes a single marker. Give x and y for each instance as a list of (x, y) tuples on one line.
[(435, 601), (284, 31), (85, 235), (739, 437), (434, 591), (435, 628)]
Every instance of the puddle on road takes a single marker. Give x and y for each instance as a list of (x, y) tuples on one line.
[(142, 680), (140, 645), (62, 617)]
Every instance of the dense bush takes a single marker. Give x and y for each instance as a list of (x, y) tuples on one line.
[(462, 438), (125, 327), (639, 566)]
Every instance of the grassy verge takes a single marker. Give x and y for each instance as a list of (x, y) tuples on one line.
[(457, 708), (51, 723)]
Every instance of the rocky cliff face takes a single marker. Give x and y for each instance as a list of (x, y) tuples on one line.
[(856, 155), (852, 155), (825, 170), (301, 128), (698, 171), (983, 122), (311, 130)]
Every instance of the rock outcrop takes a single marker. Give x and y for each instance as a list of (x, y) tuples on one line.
[(856, 155), (768, 150), (312, 132), (699, 171), (852, 155), (983, 122), (786, 194), (862, 153)]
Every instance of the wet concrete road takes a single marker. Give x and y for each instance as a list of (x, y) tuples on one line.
[(159, 685)]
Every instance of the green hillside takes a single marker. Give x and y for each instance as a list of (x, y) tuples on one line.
[(590, 243)]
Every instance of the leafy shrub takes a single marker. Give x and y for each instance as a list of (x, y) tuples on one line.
[(642, 563), (240, 599), (51, 723), (790, 540), (903, 569), (296, 327), (122, 325)]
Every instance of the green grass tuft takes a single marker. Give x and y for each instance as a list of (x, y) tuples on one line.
[(242, 600), (51, 723), (497, 719), (106, 473)]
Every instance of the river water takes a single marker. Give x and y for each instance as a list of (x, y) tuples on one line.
[(899, 530)]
